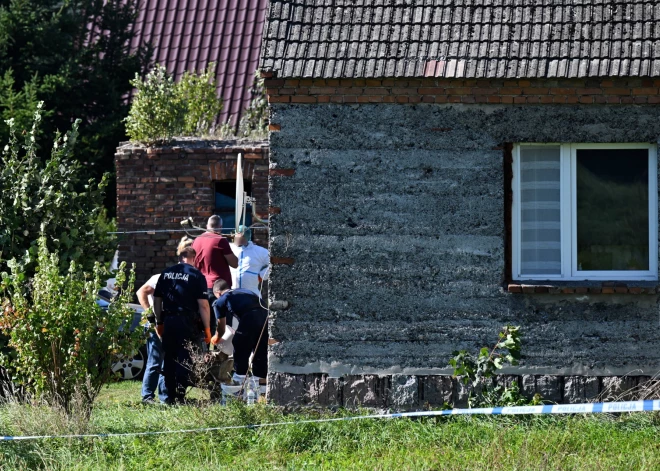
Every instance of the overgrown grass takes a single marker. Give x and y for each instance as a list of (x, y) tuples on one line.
[(502, 443)]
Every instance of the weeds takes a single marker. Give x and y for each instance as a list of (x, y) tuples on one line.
[(627, 441)]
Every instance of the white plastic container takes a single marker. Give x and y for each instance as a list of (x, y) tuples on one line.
[(230, 392)]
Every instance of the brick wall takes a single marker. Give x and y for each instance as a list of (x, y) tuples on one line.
[(158, 187), (494, 91)]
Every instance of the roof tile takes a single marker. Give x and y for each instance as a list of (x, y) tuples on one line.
[(473, 38)]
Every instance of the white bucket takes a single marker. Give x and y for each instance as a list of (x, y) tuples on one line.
[(230, 392)]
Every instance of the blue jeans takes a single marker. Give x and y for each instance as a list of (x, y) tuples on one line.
[(152, 376)]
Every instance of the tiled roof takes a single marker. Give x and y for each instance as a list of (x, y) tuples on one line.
[(189, 34), (462, 38)]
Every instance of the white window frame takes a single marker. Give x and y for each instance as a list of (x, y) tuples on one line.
[(568, 203)]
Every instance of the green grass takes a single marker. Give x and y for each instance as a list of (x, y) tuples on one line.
[(503, 443)]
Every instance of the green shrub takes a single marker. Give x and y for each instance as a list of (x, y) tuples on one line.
[(199, 93), (62, 344), (163, 108), (43, 196)]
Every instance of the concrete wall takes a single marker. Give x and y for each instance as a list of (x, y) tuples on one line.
[(393, 219)]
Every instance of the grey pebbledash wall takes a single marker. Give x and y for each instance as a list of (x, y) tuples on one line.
[(394, 218)]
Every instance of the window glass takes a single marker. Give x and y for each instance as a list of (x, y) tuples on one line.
[(540, 217), (225, 203), (612, 198)]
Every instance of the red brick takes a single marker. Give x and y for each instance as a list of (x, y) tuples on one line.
[(431, 91), (373, 83), (641, 99), (586, 99), (281, 260), (467, 99), (617, 91), (494, 99), (376, 91), (528, 289), (562, 91), (286, 172), (635, 290), (303, 99), (535, 91), (568, 290), (588, 91), (510, 91), (520, 99), (608, 290), (458, 91), (644, 91), (322, 91), (581, 290), (274, 210), (512, 288), (279, 99), (274, 127), (427, 99), (507, 99), (484, 91)]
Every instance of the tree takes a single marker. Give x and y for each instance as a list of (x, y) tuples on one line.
[(74, 55), (42, 197)]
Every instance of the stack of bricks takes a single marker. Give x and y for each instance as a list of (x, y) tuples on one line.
[(493, 91), (159, 187)]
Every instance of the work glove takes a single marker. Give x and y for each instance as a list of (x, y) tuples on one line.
[(207, 336), (160, 329), (216, 339)]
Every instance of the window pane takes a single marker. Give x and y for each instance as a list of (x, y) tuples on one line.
[(540, 218), (612, 209)]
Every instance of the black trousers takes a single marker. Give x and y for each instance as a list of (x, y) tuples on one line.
[(245, 342), (180, 335)]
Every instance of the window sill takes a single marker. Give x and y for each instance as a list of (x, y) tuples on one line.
[(584, 287)]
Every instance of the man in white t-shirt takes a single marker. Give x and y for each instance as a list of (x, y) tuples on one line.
[(152, 376), (253, 262)]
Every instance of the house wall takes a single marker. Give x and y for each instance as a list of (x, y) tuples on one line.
[(158, 187), (390, 239)]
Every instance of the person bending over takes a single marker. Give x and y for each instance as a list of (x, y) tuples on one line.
[(251, 335)]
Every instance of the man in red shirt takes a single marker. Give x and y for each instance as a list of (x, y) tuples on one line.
[(214, 255)]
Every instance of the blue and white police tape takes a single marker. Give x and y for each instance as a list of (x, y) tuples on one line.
[(593, 408)]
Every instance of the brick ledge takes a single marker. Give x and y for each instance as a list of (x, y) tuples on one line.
[(590, 287)]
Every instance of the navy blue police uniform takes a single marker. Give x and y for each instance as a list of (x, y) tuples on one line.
[(180, 286), (246, 307)]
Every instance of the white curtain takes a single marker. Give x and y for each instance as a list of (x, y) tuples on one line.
[(540, 206)]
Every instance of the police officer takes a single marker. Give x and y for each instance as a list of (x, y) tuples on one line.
[(251, 334), (182, 318)]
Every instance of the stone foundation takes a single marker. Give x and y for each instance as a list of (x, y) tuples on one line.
[(402, 392)]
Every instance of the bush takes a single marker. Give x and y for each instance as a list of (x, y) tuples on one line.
[(163, 108), (43, 197), (62, 344)]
